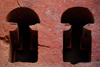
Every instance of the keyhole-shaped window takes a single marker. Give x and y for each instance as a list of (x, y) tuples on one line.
[(24, 40), (77, 40)]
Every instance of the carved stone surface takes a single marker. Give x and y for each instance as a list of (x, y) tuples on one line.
[(50, 32)]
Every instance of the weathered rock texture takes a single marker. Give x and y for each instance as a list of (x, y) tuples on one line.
[(50, 31)]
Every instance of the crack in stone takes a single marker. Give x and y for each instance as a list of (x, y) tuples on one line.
[(6, 39), (44, 46), (18, 3)]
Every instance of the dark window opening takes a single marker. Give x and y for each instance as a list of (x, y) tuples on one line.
[(24, 41), (77, 40)]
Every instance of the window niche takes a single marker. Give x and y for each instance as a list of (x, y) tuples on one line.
[(77, 40), (24, 40)]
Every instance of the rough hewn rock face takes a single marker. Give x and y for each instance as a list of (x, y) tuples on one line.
[(50, 31)]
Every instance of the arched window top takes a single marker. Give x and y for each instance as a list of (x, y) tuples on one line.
[(77, 15), (23, 16)]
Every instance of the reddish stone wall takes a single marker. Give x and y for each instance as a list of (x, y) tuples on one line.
[(50, 31)]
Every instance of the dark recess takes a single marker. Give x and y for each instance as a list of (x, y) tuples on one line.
[(77, 17), (24, 17)]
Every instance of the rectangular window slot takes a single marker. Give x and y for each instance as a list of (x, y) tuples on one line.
[(25, 45)]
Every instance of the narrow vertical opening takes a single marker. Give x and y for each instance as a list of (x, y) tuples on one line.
[(78, 48), (24, 50)]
